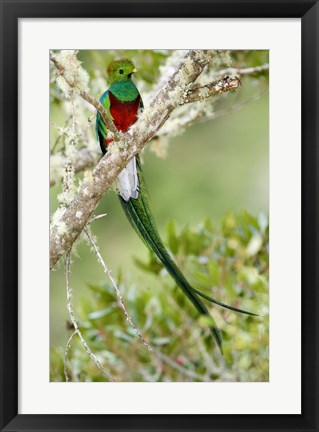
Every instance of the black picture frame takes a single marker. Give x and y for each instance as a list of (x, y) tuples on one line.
[(11, 11)]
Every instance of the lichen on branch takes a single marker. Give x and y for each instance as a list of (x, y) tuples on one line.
[(177, 90), (71, 77)]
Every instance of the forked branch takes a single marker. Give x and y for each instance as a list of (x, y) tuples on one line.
[(76, 328), (177, 91)]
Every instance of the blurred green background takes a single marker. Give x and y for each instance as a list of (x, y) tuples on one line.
[(215, 175)]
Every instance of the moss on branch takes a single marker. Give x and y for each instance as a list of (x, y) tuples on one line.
[(176, 91)]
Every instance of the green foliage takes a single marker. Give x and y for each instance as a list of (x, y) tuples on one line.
[(228, 262), (211, 166)]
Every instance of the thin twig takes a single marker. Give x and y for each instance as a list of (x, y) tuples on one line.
[(244, 71), (222, 85), (90, 99), (107, 271), (68, 179), (239, 105), (75, 324), (94, 218), (106, 171), (181, 369), (60, 135), (156, 352), (67, 347), (85, 159), (236, 107)]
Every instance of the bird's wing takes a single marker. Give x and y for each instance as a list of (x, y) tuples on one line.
[(127, 183), (100, 128)]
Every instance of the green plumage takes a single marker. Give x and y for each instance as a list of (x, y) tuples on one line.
[(138, 210), (125, 91), (139, 214)]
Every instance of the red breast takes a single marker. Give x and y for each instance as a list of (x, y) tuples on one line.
[(124, 113)]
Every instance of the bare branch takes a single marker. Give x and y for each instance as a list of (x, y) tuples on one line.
[(75, 324), (59, 136), (187, 372), (108, 273), (166, 70), (238, 106), (90, 99), (94, 218), (244, 71), (66, 352), (217, 87), (87, 159), (67, 229), (104, 114)]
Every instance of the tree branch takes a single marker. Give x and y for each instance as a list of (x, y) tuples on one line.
[(88, 98), (71, 223), (86, 158), (198, 93), (187, 372), (66, 353), (76, 327), (108, 273), (244, 71)]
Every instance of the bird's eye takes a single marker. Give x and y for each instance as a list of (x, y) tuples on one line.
[(121, 71)]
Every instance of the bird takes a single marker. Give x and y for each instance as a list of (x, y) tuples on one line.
[(123, 103)]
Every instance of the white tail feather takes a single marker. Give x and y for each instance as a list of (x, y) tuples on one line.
[(127, 181)]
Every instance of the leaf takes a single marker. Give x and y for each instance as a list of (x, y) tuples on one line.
[(254, 245), (213, 268), (100, 314), (161, 341), (203, 278)]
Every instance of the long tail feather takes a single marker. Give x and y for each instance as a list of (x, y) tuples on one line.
[(212, 300), (139, 214)]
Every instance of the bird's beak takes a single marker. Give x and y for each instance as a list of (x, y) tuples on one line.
[(134, 70)]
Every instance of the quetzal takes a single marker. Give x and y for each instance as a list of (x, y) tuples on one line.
[(123, 103)]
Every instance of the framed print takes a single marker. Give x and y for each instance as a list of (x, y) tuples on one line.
[(184, 298)]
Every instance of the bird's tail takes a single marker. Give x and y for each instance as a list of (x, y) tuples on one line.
[(138, 212)]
